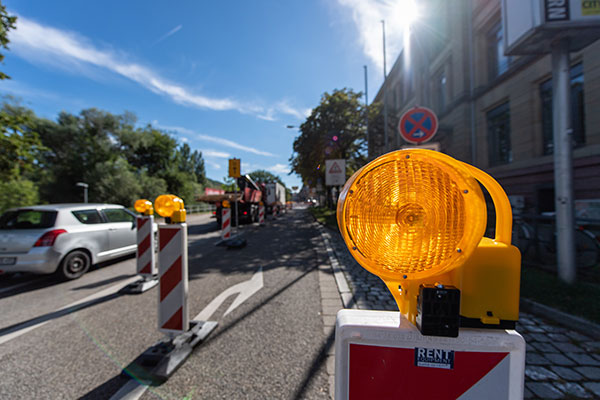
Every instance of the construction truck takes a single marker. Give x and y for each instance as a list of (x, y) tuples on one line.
[(275, 197), (248, 197)]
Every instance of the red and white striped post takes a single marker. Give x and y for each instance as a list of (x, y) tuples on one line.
[(225, 223), (146, 263), (173, 278), (261, 213)]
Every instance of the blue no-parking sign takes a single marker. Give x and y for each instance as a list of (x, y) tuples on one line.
[(418, 125)]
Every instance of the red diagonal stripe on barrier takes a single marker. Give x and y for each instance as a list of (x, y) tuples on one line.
[(144, 245), (146, 269), (170, 279), (225, 223), (176, 321), (141, 222), (165, 236)]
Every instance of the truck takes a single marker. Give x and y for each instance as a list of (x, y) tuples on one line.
[(275, 197), (248, 197)]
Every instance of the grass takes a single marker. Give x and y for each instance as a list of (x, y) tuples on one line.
[(581, 299), (325, 216)]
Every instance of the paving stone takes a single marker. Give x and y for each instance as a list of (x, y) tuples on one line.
[(559, 359), (567, 374), (593, 387), (545, 390), (592, 373), (536, 359), (573, 389), (584, 359), (566, 347), (534, 329), (559, 337), (577, 336), (540, 337), (545, 347), (525, 320), (538, 373), (591, 346), (528, 394)]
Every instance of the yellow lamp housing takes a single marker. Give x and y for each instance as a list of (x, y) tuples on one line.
[(226, 204), (170, 206), (416, 219), (143, 206)]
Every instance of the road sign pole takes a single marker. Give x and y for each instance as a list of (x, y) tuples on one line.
[(563, 161)]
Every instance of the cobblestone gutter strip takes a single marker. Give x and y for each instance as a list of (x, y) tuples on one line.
[(570, 321)]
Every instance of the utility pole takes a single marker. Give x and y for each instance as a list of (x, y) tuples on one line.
[(367, 113), (385, 116)]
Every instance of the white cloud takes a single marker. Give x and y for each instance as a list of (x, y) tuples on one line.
[(170, 33), (206, 138), (279, 169), (367, 15), (38, 43), (213, 164), (216, 154)]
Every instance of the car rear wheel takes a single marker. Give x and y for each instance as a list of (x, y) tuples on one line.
[(74, 265)]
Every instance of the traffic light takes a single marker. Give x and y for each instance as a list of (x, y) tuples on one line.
[(234, 167), (416, 218), (170, 206)]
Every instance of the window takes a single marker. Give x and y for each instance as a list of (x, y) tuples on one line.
[(88, 216), (498, 62), (577, 110), (28, 219), (440, 91), (118, 215), (498, 121)]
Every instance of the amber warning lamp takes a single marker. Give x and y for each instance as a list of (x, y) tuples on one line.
[(416, 218), (143, 206), (170, 206)]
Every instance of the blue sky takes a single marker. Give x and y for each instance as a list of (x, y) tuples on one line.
[(225, 77)]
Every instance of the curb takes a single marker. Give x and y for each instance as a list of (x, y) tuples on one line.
[(579, 324)]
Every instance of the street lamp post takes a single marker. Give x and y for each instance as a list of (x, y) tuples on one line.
[(85, 190)]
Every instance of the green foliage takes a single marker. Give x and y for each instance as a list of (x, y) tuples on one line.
[(16, 193), (119, 161), (262, 176), (325, 216), (228, 184), (335, 130), (7, 22)]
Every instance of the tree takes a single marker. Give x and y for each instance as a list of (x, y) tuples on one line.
[(7, 22), (262, 176), (334, 130)]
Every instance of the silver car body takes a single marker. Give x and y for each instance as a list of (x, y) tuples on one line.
[(103, 240)]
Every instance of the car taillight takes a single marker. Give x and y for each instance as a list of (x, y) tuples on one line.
[(48, 238), (245, 212)]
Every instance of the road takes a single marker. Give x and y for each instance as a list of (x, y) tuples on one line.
[(71, 339)]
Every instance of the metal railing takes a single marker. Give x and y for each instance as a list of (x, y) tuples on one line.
[(199, 208)]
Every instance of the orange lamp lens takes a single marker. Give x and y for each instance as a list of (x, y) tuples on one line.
[(411, 214), (167, 204), (142, 205)]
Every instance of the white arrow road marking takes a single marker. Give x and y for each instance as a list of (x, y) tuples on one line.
[(133, 390), (31, 325), (245, 289)]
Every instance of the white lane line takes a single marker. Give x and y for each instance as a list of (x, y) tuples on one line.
[(27, 327), (19, 285), (132, 390), (245, 290)]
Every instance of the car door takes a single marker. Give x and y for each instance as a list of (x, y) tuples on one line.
[(121, 231)]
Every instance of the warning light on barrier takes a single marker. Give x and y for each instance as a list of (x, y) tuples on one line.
[(226, 204), (170, 206), (416, 218), (143, 206)]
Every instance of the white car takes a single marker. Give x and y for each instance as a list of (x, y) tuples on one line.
[(65, 239)]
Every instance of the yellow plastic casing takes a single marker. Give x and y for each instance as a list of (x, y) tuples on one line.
[(170, 206), (416, 217)]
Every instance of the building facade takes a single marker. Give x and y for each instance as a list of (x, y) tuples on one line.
[(494, 111)]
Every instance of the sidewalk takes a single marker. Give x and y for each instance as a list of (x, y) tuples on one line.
[(561, 361)]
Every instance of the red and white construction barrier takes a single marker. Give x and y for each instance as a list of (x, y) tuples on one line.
[(261, 214), (226, 223), (173, 279), (146, 263)]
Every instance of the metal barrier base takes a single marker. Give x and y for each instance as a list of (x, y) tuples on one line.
[(155, 365), (140, 286)]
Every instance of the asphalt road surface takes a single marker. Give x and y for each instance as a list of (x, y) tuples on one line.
[(71, 340)]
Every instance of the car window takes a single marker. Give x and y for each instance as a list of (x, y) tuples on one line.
[(28, 219), (88, 216), (118, 215)]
